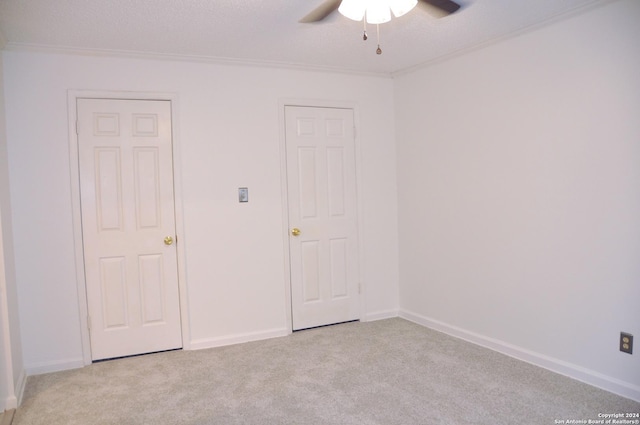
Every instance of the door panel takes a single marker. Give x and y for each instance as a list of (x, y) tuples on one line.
[(338, 260), (147, 186), (108, 186), (321, 187), (310, 268), (113, 292), (126, 188), (151, 288)]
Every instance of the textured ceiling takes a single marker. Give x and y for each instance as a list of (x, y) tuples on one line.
[(266, 32)]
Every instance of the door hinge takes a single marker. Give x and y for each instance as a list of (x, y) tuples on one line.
[(77, 131), (89, 322)]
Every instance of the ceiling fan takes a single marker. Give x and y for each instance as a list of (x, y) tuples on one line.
[(438, 8), (377, 11)]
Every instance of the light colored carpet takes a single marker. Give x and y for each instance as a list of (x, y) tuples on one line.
[(385, 372), (6, 417)]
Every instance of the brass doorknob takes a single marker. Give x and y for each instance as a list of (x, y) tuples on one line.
[(295, 231), (168, 240)]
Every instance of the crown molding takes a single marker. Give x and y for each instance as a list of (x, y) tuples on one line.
[(75, 51)]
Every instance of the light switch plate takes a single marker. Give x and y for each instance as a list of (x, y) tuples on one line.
[(243, 194)]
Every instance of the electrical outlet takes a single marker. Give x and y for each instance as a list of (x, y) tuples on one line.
[(626, 342)]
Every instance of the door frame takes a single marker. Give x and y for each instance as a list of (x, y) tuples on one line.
[(319, 103), (74, 171)]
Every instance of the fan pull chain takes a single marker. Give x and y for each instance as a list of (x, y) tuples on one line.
[(364, 34), (378, 50)]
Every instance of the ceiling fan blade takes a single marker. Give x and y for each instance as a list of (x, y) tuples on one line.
[(440, 8), (321, 12)]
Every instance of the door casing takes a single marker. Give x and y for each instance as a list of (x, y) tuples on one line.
[(72, 97), (315, 103)]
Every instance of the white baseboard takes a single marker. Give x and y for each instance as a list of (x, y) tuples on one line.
[(54, 366), (20, 386), (13, 401), (8, 403), (380, 315), (200, 344), (596, 379)]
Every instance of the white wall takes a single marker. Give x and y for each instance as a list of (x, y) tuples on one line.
[(519, 195), (8, 399), (229, 136), (6, 366), (12, 377)]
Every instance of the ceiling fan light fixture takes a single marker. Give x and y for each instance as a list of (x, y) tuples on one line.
[(353, 9), (375, 11), (378, 12)]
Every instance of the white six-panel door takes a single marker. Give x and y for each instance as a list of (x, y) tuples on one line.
[(127, 202), (321, 183)]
